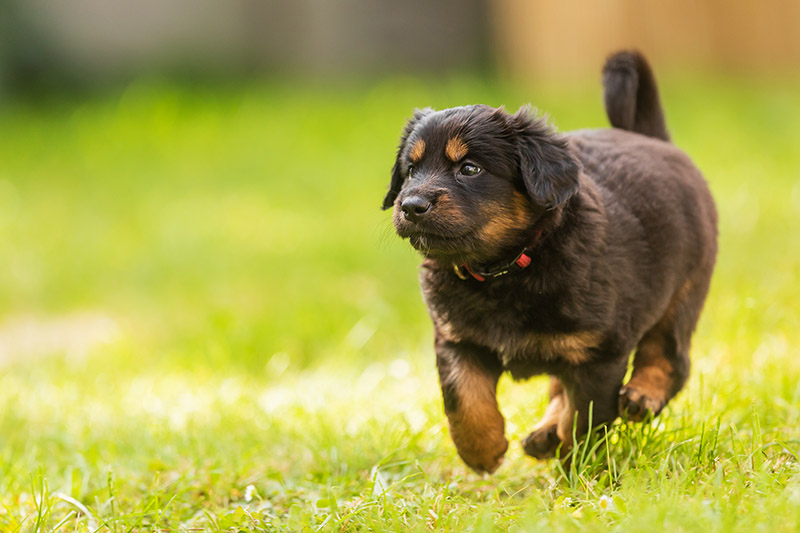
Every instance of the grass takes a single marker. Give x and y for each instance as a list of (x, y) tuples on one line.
[(206, 323)]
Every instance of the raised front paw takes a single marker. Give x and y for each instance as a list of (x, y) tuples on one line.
[(482, 452)]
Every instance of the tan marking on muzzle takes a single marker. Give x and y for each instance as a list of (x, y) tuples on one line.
[(417, 150), (455, 149)]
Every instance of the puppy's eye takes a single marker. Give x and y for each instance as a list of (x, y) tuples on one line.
[(468, 169), (410, 170)]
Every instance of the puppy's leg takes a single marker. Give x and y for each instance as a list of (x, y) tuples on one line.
[(661, 364), (593, 391), (468, 376), (659, 371), (585, 392), (543, 440)]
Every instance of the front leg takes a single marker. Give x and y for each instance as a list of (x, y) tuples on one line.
[(468, 375), (589, 387), (543, 441), (592, 391)]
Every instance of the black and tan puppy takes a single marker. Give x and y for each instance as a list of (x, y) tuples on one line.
[(556, 254)]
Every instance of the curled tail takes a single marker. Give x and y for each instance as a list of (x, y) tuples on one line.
[(631, 95)]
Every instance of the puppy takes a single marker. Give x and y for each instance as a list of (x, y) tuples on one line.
[(555, 254)]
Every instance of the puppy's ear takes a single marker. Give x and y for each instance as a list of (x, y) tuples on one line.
[(398, 172), (549, 170)]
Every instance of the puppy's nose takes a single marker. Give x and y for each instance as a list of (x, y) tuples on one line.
[(414, 207)]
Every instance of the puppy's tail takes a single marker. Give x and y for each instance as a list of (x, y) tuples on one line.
[(631, 95)]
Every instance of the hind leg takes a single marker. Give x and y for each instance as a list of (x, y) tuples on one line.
[(660, 369), (661, 363)]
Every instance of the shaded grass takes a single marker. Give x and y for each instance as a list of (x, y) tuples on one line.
[(269, 331)]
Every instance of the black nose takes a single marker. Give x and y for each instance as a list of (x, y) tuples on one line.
[(414, 207)]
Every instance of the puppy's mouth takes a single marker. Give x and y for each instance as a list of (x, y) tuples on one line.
[(428, 243), (451, 248), (442, 238)]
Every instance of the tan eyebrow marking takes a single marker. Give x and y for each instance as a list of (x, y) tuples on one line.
[(455, 149), (417, 150)]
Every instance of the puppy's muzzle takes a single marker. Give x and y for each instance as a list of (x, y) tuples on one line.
[(415, 207)]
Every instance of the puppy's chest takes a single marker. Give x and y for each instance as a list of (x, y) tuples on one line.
[(515, 333)]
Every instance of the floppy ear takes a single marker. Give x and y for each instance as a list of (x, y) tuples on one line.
[(549, 170), (398, 172)]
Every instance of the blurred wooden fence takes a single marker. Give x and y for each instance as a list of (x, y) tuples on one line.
[(94, 40), (557, 38)]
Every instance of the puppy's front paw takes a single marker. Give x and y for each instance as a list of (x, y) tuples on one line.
[(636, 405), (542, 443), (483, 453)]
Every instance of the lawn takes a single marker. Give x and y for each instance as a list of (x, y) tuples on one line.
[(206, 322)]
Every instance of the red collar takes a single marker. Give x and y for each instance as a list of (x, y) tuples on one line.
[(520, 262)]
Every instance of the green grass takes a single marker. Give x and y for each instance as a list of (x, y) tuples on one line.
[(207, 323)]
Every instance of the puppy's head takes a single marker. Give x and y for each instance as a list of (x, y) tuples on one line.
[(469, 183)]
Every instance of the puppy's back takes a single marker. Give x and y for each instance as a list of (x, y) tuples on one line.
[(651, 189)]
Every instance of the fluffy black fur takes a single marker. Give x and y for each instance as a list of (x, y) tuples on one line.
[(621, 230)]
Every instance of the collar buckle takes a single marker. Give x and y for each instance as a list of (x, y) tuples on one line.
[(521, 262)]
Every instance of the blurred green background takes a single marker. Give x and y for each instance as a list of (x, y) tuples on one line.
[(191, 237)]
